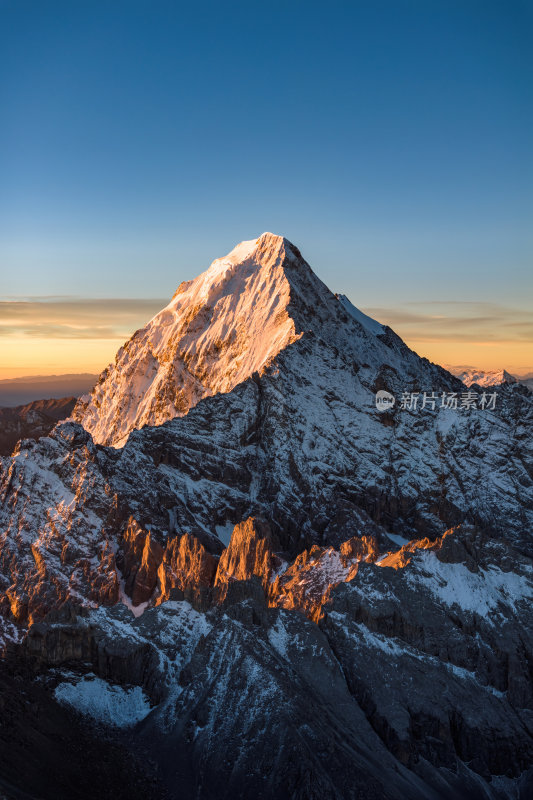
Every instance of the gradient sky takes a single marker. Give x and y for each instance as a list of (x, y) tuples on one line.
[(390, 140)]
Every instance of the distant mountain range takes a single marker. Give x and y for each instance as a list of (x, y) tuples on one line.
[(471, 375), (31, 421), (20, 391)]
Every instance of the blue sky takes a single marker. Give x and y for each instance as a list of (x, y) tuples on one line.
[(390, 140)]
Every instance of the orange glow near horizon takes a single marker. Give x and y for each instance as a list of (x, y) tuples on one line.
[(515, 357), (57, 336), (54, 336), (27, 356)]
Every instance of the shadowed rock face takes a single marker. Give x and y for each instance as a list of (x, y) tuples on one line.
[(365, 632), (47, 751), (444, 673), (400, 691)]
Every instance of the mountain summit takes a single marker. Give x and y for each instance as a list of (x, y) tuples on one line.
[(218, 330)]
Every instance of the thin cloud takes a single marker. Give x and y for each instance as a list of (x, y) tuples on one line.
[(57, 317), (457, 321), (75, 318)]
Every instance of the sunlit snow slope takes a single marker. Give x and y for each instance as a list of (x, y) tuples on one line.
[(216, 331), (228, 324)]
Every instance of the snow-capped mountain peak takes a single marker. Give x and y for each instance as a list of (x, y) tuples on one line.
[(217, 331), (471, 375)]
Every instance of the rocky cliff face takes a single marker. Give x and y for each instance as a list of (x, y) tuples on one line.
[(328, 600), (415, 683), (217, 331)]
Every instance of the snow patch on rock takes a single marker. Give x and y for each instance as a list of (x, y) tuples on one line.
[(478, 592), (104, 702), (371, 325)]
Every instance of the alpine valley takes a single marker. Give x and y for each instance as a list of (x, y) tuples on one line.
[(229, 575)]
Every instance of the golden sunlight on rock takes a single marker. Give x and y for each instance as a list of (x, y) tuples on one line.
[(402, 557)]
